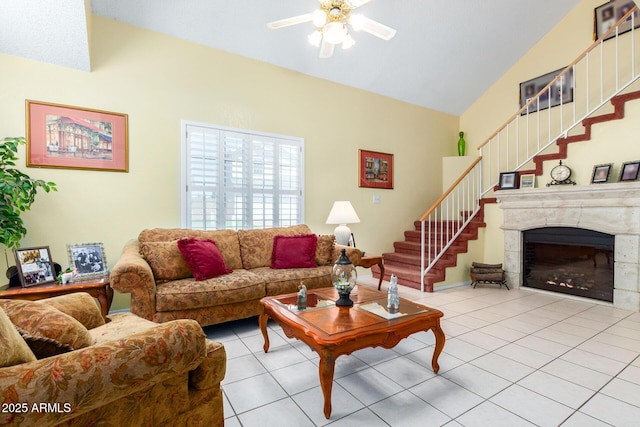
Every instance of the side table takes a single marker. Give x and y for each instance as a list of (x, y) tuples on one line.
[(371, 260), (98, 288)]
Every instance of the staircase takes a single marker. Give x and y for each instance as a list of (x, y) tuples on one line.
[(523, 141), (405, 262)]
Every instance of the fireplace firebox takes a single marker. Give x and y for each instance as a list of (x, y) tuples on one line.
[(569, 260)]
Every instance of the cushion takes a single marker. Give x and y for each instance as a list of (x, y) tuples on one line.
[(294, 251), (203, 257), (47, 330), (79, 305), (14, 349), (226, 240), (256, 246), (324, 249), (166, 260)]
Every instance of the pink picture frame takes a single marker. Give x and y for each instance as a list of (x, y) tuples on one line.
[(375, 170), (63, 136)]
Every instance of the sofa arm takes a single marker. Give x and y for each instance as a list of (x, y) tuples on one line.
[(212, 369), (80, 381), (132, 274), (354, 254)]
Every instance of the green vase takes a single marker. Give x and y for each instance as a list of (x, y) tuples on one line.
[(461, 144)]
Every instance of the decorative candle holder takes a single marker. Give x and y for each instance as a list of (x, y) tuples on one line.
[(344, 278)]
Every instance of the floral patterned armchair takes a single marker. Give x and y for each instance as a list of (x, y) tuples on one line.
[(61, 364)]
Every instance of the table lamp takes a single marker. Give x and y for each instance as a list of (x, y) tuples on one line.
[(342, 213)]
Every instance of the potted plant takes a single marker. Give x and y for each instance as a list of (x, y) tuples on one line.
[(17, 194)]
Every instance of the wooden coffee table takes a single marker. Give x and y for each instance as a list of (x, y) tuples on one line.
[(333, 331)]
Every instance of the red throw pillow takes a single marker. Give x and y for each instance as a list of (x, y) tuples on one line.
[(294, 251), (203, 257)]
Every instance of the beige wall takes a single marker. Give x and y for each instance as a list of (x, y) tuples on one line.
[(159, 81), (613, 142)]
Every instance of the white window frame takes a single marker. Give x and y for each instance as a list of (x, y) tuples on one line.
[(186, 186)]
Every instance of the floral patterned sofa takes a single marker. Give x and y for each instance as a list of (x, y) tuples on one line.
[(62, 365), (162, 287)]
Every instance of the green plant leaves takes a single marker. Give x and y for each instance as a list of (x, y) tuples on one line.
[(17, 193)]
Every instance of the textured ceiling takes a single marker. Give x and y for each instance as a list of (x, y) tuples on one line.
[(445, 54)]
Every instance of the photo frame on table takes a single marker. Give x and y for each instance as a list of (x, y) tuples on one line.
[(629, 171), (375, 170), (62, 136), (508, 181), (561, 92), (528, 180), (611, 12), (88, 259), (35, 266), (601, 173)]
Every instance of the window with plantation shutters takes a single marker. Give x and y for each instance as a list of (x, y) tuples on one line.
[(236, 179)]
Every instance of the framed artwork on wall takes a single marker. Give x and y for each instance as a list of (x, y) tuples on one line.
[(609, 13), (88, 259), (561, 92), (375, 170), (62, 136), (35, 266)]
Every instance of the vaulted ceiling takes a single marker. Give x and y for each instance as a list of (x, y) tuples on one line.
[(446, 53)]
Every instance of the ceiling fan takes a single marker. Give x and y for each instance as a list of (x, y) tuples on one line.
[(331, 25)]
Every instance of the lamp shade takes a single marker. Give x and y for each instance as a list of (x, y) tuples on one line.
[(342, 213)]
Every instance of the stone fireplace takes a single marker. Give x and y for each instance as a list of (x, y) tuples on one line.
[(613, 209)]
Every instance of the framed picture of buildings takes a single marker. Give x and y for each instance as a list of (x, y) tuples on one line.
[(375, 170), (62, 136), (611, 12)]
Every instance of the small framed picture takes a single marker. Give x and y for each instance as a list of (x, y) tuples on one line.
[(88, 259), (508, 181), (629, 171), (601, 173), (527, 180), (375, 170), (35, 266)]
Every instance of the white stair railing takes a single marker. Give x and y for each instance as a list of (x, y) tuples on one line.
[(446, 219), (601, 72), (604, 70)]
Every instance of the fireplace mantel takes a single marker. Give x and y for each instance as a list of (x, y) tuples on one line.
[(609, 208)]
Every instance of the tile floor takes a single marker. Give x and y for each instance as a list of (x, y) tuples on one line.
[(512, 358)]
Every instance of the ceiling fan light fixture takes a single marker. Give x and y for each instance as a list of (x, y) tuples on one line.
[(319, 18), (356, 21), (315, 38), (334, 32), (348, 42)]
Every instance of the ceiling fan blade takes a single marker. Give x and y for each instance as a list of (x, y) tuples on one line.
[(326, 49), (360, 22), (294, 20), (358, 3)]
